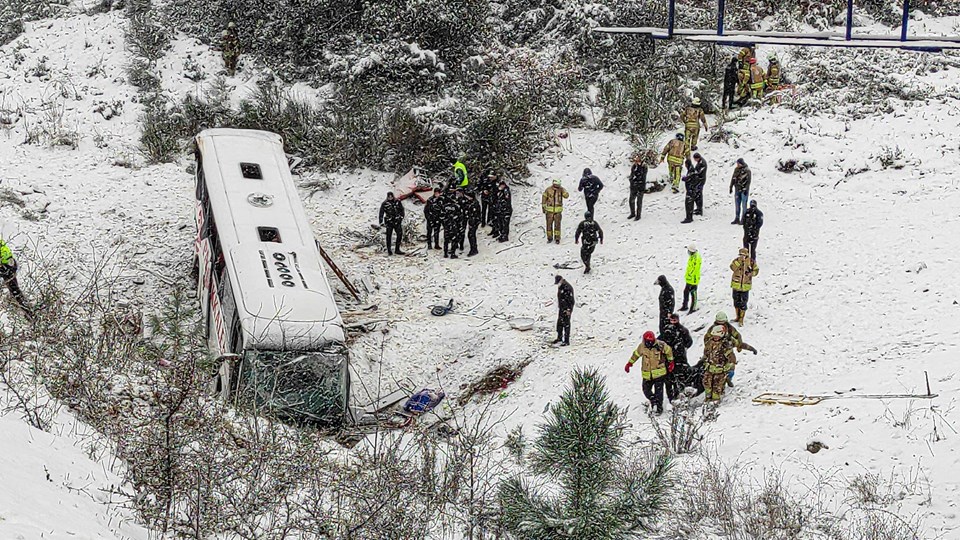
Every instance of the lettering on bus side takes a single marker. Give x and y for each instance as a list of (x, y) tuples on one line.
[(280, 263)]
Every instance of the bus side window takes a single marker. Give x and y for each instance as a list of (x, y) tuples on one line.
[(201, 181)]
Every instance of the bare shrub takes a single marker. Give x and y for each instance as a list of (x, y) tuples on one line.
[(51, 128), (682, 433)]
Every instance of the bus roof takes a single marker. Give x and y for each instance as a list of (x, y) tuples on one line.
[(283, 298)]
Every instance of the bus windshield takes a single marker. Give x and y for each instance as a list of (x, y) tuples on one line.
[(297, 385)]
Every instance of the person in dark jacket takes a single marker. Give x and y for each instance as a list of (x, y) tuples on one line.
[(741, 181), (730, 83), (678, 338), (473, 212), (591, 186), (590, 231), (433, 213), (694, 182), (667, 300), (452, 218), (463, 201), (391, 217), (638, 184), (502, 210), (565, 303), (752, 221), (487, 188)]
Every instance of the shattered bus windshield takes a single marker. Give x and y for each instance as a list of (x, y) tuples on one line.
[(296, 385)]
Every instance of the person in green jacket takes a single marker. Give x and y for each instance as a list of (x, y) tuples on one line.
[(460, 175), (692, 279), (8, 273)]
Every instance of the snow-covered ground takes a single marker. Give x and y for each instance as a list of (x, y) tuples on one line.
[(857, 286)]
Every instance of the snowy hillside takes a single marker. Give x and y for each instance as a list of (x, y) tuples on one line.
[(857, 291)]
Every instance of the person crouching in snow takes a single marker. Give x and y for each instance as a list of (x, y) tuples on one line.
[(656, 361)]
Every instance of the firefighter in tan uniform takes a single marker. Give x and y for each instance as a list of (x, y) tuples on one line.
[(773, 74), (552, 205), (757, 80), (692, 118), (744, 269), (675, 152), (743, 75), (719, 359), (656, 361)]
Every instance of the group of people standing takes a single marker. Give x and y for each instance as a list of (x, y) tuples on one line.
[(456, 212), (744, 79)]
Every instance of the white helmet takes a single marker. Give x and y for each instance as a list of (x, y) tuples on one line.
[(692, 248), (696, 101), (721, 317)]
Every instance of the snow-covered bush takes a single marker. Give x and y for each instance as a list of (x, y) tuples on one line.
[(147, 39), (13, 13), (859, 83)]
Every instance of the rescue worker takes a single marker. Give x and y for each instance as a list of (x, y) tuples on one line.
[(719, 359), (730, 83), (433, 214), (590, 231), (692, 278), (472, 210), (460, 178), (694, 182), (752, 221), (8, 273), (487, 187), (773, 74), (743, 75), (678, 338), (391, 217), (692, 117), (667, 301), (741, 181), (656, 361), (638, 185), (230, 48), (552, 205), (502, 211), (565, 303), (744, 269), (452, 219), (591, 186), (675, 151), (757, 80)]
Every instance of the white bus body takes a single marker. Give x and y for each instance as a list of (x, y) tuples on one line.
[(267, 306)]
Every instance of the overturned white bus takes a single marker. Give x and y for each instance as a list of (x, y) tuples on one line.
[(269, 311)]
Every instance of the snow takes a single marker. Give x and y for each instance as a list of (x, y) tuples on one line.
[(857, 286), (59, 484)]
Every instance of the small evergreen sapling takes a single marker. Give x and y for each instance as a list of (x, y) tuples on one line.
[(584, 486)]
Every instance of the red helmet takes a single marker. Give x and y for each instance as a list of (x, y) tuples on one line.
[(648, 337), (753, 60)]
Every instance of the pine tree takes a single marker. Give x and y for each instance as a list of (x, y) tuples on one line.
[(584, 486)]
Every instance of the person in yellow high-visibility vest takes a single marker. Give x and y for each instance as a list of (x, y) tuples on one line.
[(757, 79), (460, 174), (8, 273), (692, 118), (675, 152)]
